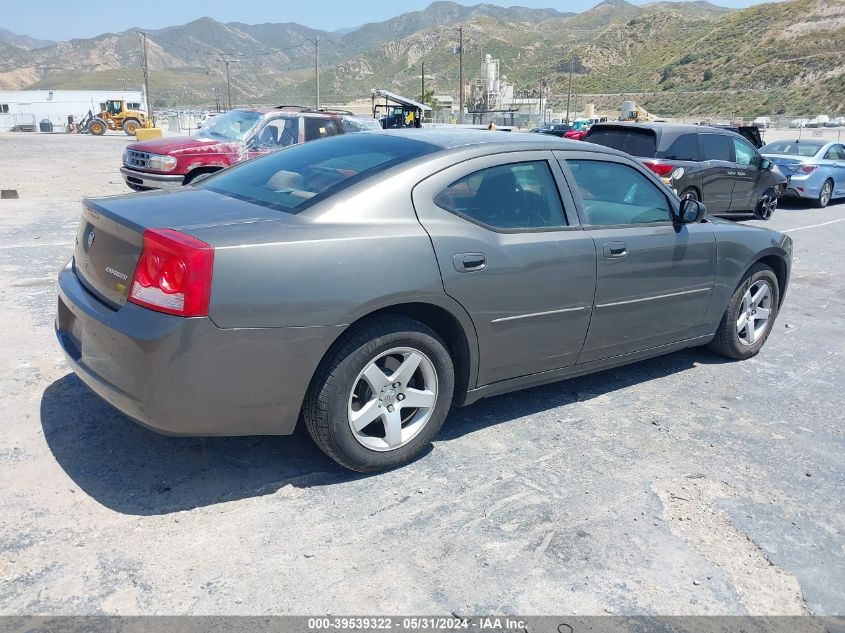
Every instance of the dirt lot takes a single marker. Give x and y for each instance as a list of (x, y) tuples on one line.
[(680, 485)]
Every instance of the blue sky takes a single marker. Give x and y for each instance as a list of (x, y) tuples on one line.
[(61, 19)]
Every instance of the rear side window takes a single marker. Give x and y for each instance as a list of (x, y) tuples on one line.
[(685, 147), (614, 193), (715, 147), (319, 128), (515, 196), (640, 142), (299, 176)]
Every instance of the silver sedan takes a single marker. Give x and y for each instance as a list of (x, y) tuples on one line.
[(816, 168), (365, 283)]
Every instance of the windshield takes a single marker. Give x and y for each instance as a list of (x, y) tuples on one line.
[(634, 141), (293, 179), (793, 148), (232, 126)]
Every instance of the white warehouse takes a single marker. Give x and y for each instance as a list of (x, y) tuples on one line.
[(48, 110)]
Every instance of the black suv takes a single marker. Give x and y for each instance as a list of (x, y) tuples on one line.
[(716, 166)]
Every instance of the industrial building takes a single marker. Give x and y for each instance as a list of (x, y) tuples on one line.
[(48, 110)]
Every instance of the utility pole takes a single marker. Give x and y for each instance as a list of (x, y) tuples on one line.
[(569, 94), (461, 62), (422, 82), (227, 61), (149, 103), (317, 71)]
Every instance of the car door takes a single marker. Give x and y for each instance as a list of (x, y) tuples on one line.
[(654, 279), (717, 172), (836, 157), (748, 179), (511, 251)]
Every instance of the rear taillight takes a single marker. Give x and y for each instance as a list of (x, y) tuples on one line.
[(173, 274), (806, 169), (661, 169)]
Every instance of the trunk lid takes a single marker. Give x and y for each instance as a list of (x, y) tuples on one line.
[(110, 235)]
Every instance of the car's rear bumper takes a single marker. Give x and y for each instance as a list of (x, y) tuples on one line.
[(186, 376), (146, 180)]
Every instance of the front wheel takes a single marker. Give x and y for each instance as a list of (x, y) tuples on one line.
[(382, 396), (97, 127), (750, 315)]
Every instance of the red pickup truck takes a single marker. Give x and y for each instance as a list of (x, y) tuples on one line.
[(228, 139)]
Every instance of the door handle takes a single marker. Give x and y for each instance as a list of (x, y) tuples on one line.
[(469, 262), (615, 249)]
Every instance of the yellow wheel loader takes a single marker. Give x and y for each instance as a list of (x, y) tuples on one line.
[(116, 116)]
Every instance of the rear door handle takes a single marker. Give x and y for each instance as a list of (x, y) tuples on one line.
[(615, 249), (469, 262)]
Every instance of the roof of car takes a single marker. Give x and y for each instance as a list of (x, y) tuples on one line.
[(678, 128), (447, 138), (286, 109)]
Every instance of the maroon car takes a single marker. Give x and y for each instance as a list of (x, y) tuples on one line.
[(228, 139)]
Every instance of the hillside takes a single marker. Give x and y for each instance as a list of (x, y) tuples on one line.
[(678, 58)]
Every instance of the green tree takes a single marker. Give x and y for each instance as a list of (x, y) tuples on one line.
[(429, 99)]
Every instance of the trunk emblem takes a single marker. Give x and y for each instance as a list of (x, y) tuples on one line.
[(90, 240)]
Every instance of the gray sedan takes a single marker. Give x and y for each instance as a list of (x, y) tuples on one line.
[(816, 168), (366, 283)]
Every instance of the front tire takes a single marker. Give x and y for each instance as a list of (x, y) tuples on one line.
[(382, 396), (130, 127), (97, 127), (749, 316), (825, 195)]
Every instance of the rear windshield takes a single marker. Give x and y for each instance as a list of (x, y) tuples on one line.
[(634, 141), (792, 148), (295, 178)]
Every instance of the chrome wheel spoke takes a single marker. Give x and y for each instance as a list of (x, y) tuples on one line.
[(407, 369), (762, 293), (416, 399), (750, 335), (393, 428), (375, 377), (762, 314), (366, 415), (741, 322)]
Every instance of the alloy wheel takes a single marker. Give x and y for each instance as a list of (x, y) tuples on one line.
[(392, 399), (767, 207), (827, 191), (754, 313)]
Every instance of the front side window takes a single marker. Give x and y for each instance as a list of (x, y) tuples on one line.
[(4, 108), (615, 194), (514, 196), (715, 147), (279, 132), (745, 154), (301, 175)]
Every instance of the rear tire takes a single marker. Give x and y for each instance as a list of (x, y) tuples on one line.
[(130, 126), (743, 331), (825, 195), (766, 207), (97, 127), (352, 386)]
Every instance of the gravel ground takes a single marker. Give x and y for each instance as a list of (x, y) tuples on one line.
[(680, 485)]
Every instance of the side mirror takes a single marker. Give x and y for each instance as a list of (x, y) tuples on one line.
[(765, 164), (691, 211)]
